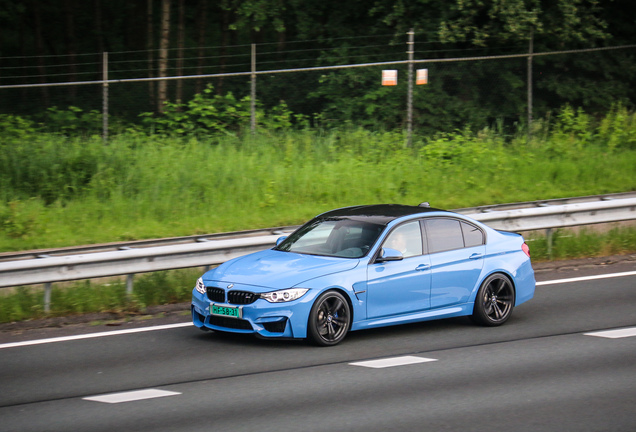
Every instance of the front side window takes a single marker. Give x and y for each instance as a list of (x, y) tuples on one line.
[(406, 238)]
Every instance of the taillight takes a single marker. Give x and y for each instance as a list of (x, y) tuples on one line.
[(525, 249)]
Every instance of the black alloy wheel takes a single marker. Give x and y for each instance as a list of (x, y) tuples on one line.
[(495, 301), (329, 319)]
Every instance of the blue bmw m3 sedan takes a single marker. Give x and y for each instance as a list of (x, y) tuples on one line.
[(364, 267)]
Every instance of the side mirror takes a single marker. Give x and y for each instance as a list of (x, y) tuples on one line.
[(279, 240), (388, 254)]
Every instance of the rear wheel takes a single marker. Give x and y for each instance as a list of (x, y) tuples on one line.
[(495, 301), (329, 319)]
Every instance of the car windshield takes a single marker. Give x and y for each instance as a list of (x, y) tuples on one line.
[(336, 237)]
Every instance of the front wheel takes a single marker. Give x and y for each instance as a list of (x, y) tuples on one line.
[(495, 301), (329, 319)]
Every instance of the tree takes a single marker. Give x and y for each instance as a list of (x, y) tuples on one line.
[(150, 49), (71, 44), (297, 33), (39, 44), (201, 26), (180, 47), (164, 44)]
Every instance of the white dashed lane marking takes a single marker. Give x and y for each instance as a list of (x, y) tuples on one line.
[(615, 334), (131, 396), (393, 361)]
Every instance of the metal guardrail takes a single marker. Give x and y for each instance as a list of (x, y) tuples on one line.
[(568, 215), (94, 248), (548, 202), (129, 261), (148, 243)]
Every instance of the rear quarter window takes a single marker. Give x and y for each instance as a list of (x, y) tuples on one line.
[(473, 236)]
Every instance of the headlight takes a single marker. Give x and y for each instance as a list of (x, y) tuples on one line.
[(200, 286), (284, 295)]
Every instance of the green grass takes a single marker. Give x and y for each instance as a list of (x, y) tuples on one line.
[(140, 187), (583, 243), (85, 297)]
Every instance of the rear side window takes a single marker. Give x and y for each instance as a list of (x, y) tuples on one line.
[(448, 234), (443, 235)]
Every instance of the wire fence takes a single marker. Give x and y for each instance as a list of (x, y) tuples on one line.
[(329, 85)]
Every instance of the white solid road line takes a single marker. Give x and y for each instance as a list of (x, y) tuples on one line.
[(93, 335), (393, 361), (586, 278), (131, 396), (614, 334), (172, 326)]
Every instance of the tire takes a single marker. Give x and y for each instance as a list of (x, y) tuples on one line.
[(495, 301), (329, 319)]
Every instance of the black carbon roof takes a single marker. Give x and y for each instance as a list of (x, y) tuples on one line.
[(378, 213)]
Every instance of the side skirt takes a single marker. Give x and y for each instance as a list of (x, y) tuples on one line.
[(446, 312)]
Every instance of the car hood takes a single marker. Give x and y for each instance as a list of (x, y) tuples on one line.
[(272, 269)]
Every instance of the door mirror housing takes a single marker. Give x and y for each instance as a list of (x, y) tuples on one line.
[(279, 240), (388, 254)]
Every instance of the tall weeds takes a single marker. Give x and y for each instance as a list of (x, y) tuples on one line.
[(57, 190)]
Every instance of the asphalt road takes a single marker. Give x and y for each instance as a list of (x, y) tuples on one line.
[(541, 371)]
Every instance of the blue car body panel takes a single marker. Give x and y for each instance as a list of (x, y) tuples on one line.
[(417, 288), (271, 269)]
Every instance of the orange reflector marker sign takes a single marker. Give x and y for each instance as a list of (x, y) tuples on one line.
[(389, 77), (421, 77)]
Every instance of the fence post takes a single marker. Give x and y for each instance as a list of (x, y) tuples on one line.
[(409, 97), (530, 52), (105, 97), (253, 92)]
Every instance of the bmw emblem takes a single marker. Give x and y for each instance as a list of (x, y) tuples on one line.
[(230, 286)]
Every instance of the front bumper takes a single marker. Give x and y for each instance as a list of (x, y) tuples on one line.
[(269, 320)]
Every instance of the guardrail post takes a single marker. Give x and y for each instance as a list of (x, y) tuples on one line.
[(47, 297), (549, 239), (129, 284)]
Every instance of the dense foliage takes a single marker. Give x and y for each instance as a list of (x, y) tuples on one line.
[(64, 41)]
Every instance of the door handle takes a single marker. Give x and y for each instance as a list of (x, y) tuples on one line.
[(476, 256), (423, 267)]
